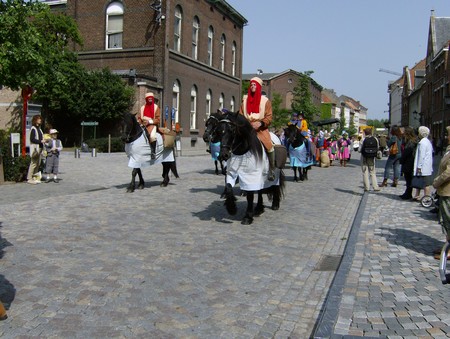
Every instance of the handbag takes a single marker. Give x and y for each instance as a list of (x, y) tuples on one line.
[(379, 155), (393, 150), (418, 182)]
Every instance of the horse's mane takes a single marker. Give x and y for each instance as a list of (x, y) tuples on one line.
[(293, 133), (131, 127), (246, 133)]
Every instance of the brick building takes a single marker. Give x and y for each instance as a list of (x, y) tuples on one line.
[(188, 52)]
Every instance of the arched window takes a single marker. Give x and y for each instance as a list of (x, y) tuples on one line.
[(232, 103), (208, 103), (221, 100), (176, 100), (114, 25), (193, 119), (177, 29), (233, 59), (223, 41), (209, 60), (195, 31)]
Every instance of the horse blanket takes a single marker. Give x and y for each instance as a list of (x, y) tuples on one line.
[(252, 175), (215, 150), (301, 156), (139, 152)]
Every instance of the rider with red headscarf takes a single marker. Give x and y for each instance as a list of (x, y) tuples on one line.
[(257, 109), (150, 117)]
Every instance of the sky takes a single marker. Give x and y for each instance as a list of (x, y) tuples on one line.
[(344, 42)]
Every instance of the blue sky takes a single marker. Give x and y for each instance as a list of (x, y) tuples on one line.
[(345, 42)]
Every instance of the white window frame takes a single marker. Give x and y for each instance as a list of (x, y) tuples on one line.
[(209, 60), (114, 12), (221, 100), (176, 99), (193, 117), (223, 42), (178, 20), (232, 104), (208, 103), (233, 59), (195, 33)]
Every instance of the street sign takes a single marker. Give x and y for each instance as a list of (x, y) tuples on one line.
[(89, 123)]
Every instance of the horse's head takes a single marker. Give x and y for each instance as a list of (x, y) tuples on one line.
[(129, 128), (225, 132), (293, 136), (210, 125)]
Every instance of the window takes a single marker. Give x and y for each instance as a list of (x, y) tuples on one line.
[(221, 100), (232, 103), (210, 45), (195, 29), (222, 52), (193, 122), (208, 103), (233, 59), (114, 25), (175, 101), (177, 29)]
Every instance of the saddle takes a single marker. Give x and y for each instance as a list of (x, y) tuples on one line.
[(280, 156)]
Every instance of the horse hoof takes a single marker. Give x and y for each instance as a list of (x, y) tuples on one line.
[(140, 187), (247, 221), (275, 207), (130, 190), (164, 184), (258, 211)]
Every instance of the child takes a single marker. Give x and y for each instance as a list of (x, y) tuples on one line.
[(53, 146)]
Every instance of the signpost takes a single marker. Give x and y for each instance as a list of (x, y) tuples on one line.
[(88, 123)]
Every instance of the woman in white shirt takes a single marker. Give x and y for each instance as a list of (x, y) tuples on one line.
[(423, 161)]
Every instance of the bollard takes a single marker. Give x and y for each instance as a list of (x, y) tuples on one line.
[(77, 153), (94, 152)]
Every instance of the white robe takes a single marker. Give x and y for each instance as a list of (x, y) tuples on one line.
[(139, 152)]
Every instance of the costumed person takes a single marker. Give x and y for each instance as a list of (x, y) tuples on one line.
[(53, 147), (36, 144), (303, 124), (294, 120), (343, 151), (257, 109), (320, 145), (150, 117)]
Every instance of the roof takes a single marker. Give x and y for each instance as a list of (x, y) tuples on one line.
[(440, 30), (271, 76), (226, 8)]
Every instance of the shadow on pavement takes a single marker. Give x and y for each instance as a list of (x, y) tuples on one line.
[(7, 290)]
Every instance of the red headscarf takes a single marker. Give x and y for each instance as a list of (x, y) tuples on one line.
[(149, 109), (253, 99)]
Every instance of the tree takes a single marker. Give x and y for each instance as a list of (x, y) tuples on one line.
[(280, 116), (301, 101), (352, 128)]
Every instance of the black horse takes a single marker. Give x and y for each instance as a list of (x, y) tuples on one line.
[(301, 157), (240, 144), (214, 145), (133, 132)]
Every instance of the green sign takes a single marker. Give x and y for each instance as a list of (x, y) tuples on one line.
[(89, 123)]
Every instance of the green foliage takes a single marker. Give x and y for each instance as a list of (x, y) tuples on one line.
[(101, 144), (377, 123), (33, 41), (14, 168), (280, 116), (301, 101), (325, 109), (352, 128)]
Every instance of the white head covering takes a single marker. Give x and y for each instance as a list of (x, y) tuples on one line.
[(424, 131), (321, 134)]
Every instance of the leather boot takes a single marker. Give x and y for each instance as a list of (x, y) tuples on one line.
[(271, 175), (395, 183), (384, 183), (153, 149)]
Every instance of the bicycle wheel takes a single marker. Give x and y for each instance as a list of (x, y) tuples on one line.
[(426, 201)]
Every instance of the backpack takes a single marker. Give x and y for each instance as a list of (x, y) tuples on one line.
[(370, 147)]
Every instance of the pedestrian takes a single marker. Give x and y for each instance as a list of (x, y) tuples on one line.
[(393, 161), (442, 184), (423, 161), (294, 120), (53, 146), (150, 118), (407, 160), (257, 109), (36, 144), (343, 149), (369, 149)]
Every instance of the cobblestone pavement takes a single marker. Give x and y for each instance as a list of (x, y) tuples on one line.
[(84, 259)]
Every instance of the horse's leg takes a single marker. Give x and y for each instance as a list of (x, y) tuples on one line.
[(217, 167), (224, 168), (130, 188), (259, 209), (141, 179), (276, 197), (295, 174), (165, 174), (306, 173), (230, 200), (300, 171), (173, 168), (248, 218)]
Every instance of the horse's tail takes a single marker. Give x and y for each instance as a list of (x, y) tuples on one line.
[(173, 168), (230, 200), (282, 184)]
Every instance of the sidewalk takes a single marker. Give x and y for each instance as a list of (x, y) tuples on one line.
[(84, 259)]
